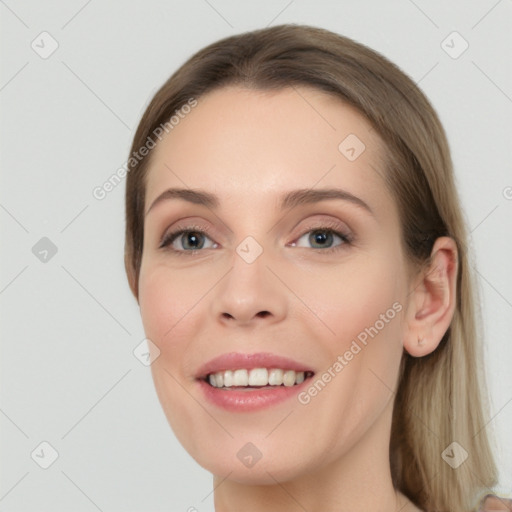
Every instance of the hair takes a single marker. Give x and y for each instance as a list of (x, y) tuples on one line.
[(440, 397)]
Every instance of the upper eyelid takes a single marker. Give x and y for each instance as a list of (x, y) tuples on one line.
[(320, 218)]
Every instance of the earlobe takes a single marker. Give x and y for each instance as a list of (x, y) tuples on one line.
[(433, 299)]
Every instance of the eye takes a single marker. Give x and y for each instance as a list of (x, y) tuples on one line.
[(190, 240), (322, 238)]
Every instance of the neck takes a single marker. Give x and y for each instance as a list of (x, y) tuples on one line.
[(360, 479)]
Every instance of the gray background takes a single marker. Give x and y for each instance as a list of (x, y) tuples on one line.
[(69, 324)]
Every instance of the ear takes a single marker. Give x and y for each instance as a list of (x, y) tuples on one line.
[(432, 300)]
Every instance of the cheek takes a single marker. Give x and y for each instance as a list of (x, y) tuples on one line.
[(166, 301), (353, 297), (156, 302), (361, 306), (168, 315)]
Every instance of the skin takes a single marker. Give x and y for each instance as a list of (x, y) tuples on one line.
[(496, 503), (249, 147)]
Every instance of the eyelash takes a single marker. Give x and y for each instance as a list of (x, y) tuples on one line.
[(327, 227)]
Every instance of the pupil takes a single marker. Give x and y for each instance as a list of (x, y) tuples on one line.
[(321, 236), (192, 236)]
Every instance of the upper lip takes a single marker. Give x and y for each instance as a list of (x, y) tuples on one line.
[(239, 360)]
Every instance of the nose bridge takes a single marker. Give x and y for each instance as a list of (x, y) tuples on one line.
[(249, 290)]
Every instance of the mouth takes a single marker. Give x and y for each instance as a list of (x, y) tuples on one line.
[(244, 382), (255, 378)]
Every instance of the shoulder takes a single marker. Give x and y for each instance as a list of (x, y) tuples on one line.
[(493, 503)]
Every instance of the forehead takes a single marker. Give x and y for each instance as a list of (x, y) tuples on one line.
[(247, 144)]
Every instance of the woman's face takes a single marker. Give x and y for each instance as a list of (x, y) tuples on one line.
[(319, 281)]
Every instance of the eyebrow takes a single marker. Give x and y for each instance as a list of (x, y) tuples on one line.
[(288, 200)]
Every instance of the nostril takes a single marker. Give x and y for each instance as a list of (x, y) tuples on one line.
[(261, 314)]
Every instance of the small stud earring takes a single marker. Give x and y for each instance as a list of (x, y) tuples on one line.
[(421, 341)]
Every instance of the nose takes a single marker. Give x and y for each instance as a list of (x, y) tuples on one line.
[(249, 294)]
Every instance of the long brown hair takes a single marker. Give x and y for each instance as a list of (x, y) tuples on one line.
[(440, 396)]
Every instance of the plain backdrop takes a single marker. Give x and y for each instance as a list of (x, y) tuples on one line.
[(76, 77)]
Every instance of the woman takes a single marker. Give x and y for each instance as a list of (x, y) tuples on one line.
[(295, 242)]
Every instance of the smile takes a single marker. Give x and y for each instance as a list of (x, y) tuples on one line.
[(257, 378), (243, 382)]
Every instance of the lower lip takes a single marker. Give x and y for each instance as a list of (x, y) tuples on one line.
[(250, 400)]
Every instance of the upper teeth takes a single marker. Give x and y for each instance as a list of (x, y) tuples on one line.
[(255, 377)]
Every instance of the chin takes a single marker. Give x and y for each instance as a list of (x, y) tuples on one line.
[(248, 465)]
